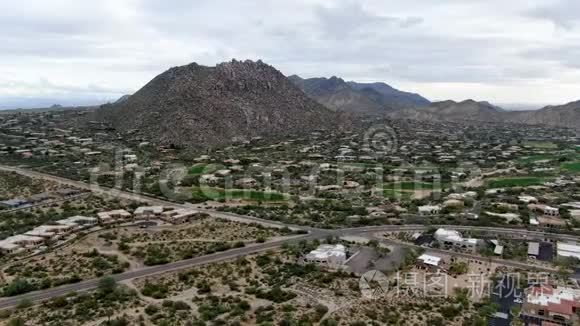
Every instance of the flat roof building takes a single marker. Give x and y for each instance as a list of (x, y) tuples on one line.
[(429, 209), (179, 216), (17, 243), (547, 305), (454, 238), (551, 221), (327, 254), (568, 250), (79, 220), (113, 216), (533, 250), (146, 212), (428, 261)]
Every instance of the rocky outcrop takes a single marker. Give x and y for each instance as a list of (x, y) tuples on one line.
[(199, 106)]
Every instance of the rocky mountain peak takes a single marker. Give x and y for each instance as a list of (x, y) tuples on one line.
[(195, 106)]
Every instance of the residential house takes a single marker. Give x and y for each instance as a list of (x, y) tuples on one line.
[(551, 221), (568, 250), (429, 262), (179, 216), (544, 209), (453, 239), (548, 305), (429, 210), (20, 242), (79, 221), (148, 212), (114, 216), (533, 250), (50, 232), (327, 254)]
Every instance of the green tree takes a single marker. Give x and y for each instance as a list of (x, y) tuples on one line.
[(18, 286), (16, 322), (107, 285)]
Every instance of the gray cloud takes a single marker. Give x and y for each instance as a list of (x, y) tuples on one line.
[(565, 55), (346, 19), (349, 17), (411, 21), (561, 13), (454, 49)]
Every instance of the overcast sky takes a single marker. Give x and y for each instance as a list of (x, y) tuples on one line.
[(78, 52)]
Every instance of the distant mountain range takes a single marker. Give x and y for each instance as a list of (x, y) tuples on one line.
[(567, 115), (198, 106), (452, 111), (357, 98)]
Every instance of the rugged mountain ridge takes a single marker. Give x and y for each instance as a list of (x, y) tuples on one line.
[(200, 106), (357, 98), (567, 115), (452, 111), (392, 96)]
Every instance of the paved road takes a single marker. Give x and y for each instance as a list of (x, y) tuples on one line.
[(92, 284), (516, 232), (314, 233)]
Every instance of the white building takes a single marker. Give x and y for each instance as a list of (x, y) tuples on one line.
[(429, 260), (507, 216), (223, 173), (130, 157), (327, 254), (429, 210), (533, 250), (528, 199), (572, 205), (452, 238), (18, 243), (568, 250), (147, 212), (551, 211), (50, 231), (42, 233), (79, 221), (208, 178), (453, 203)]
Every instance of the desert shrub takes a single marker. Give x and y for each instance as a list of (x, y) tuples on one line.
[(155, 290)]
